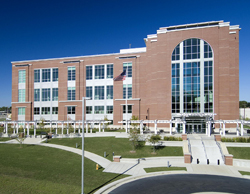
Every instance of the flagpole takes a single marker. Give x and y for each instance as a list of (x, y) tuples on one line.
[(126, 101)]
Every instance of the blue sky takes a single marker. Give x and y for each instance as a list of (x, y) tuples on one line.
[(50, 28)]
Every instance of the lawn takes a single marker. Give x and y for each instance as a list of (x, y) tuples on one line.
[(4, 139), (37, 169), (244, 173), (157, 169), (240, 152), (120, 146)]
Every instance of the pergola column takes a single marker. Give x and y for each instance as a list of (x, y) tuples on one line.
[(17, 128), (6, 128), (28, 128), (237, 128), (74, 127), (56, 127), (35, 129), (155, 126), (62, 127), (99, 126), (242, 129), (170, 127), (103, 127), (224, 128), (50, 127), (79, 128), (209, 129), (220, 129), (141, 127), (184, 127)]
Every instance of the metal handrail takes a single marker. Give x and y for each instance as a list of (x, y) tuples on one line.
[(204, 147), (222, 155), (189, 146)]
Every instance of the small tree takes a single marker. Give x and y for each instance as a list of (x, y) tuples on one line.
[(134, 118), (134, 138), (41, 123), (19, 137), (154, 139), (106, 119)]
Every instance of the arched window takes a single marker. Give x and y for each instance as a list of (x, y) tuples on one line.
[(192, 77)]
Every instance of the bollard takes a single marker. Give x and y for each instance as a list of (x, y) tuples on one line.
[(218, 162), (76, 145), (113, 153), (97, 167), (104, 154), (198, 161), (207, 161), (168, 164)]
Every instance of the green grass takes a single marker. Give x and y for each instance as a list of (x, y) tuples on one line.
[(4, 139), (37, 169), (240, 152), (244, 173), (157, 169), (120, 146)]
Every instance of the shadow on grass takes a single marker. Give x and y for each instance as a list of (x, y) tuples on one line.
[(112, 179)]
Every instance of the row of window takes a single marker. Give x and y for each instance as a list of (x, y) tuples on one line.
[(46, 94), (109, 109)]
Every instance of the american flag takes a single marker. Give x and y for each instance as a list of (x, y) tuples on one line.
[(121, 77)]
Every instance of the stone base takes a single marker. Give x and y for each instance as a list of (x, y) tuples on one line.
[(116, 158), (217, 137), (187, 158), (184, 136), (229, 160)]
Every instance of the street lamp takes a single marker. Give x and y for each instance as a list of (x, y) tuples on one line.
[(83, 100)]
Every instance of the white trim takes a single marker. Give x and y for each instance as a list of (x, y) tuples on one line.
[(232, 32), (234, 27), (70, 105), (71, 101), (21, 106), (152, 36), (19, 102), (154, 40), (133, 50), (127, 104), (128, 99)]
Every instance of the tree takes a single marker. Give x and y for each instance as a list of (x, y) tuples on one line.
[(243, 104), (106, 119), (154, 139), (19, 137), (134, 138), (134, 118)]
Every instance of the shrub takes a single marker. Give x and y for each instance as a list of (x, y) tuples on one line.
[(171, 138)]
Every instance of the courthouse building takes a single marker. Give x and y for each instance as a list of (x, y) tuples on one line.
[(186, 72)]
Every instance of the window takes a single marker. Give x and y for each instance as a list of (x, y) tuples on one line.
[(109, 110), (175, 88), (55, 74), (36, 95), (88, 109), (37, 75), (54, 110), (46, 94), (128, 67), (99, 92), (191, 48), (207, 50), (21, 76), (99, 109), (129, 108), (109, 71), (89, 92), (21, 111), (208, 86), (89, 72), (36, 110), (71, 73), (21, 95), (45, 110), (54, 94), (71, 93), (109, 92), (176, 53), (129, 94), (45, 75), (71, 110), (99, 72)]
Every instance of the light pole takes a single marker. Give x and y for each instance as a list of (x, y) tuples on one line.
[(83, 100)]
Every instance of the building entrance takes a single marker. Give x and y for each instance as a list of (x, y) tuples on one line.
[(194, 128)]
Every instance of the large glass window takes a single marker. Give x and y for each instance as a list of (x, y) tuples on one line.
[(109, 110), (88, 109), (109, 71), (54, 110), (37, 75), (208, 86), (21, 76), (21, 111), (99, 109), (55, 74), (36, 110), (36, 95), (71, 93), (191, 48), (45, 94), (71, 73), (89, 72), (207, 50), (54, 94), (109, 92), (89, 92), (128, 67), (71, 110), (99, 92), (175, 88), (45, 110), (176, 53), (45, 75), (99, 72), (129, 108), (21, 95), (129, 91)]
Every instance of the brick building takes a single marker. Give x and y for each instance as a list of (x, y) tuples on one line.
[(186, 72)]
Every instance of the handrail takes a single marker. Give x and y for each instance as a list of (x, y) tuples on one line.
[(222, 155), (189, 146), (204, 147)]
